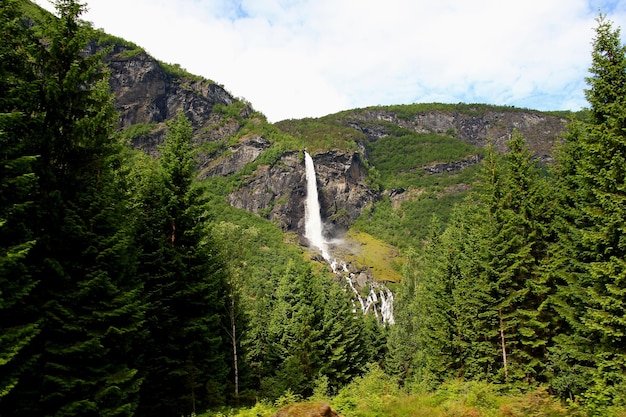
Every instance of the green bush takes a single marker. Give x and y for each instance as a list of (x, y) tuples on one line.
[(176, 71), (138, 130)]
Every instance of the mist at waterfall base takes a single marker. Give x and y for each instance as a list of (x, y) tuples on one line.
[(380, 299)]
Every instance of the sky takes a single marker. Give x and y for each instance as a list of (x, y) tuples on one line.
[(309, 58)]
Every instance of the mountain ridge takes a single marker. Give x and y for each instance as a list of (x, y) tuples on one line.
[(262, 162), (232, 136)]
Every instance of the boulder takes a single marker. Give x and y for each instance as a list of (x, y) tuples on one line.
[(312, 409)]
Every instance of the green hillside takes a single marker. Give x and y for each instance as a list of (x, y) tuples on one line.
[(130, 285)]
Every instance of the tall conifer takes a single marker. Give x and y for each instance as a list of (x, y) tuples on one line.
[(17, 185), (85, 301), (184, 356), (518, 217), (590, 357)]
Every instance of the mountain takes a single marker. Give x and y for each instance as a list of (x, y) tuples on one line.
[(382, 170), (232, 135)]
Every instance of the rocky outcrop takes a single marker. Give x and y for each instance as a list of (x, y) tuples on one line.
[(342, 187), (149, 92), (277, 191), (540, 130), (145, 92), (446, 167), (314, 409), (232, 161)]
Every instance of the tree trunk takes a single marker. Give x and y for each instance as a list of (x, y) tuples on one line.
[(234, 342), (502, 340)]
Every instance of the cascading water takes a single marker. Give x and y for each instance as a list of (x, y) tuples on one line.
[(380, 298), (312, 218)]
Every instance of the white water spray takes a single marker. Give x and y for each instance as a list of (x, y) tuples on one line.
[(380, 298)]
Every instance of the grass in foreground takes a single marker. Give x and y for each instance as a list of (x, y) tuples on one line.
[(376, 394)]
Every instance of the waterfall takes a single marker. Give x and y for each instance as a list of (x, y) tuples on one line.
[(312, 217), (380, 298)]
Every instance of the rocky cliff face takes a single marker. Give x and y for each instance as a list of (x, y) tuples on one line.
[(278, 191), (149, 93), (540, 130), (343, 188)]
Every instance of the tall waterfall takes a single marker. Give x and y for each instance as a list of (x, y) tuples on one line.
[(312, 218), (380, 298)]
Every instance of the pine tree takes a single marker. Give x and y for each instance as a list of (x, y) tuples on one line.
[(17, 184), (519, 217), (475, 299), (446, 303), (294, 333), (184, 364), (345, 344), (593, 174), (233, 241), (85, 298), (475, 347)]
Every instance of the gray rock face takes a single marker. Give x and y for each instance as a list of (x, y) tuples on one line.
[(342, 188), (247, 151), (540, 130), (278, 192), (145, 92), (452, 166)]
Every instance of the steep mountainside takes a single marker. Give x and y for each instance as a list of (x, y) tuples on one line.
[(149, 92), (474, 124), (362, 155)]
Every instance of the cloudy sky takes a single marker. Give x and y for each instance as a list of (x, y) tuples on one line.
[(309, 58)]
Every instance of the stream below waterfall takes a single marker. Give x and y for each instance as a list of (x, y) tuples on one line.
[(379, 300)]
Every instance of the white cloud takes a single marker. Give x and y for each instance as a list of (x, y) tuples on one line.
[(298, 58)]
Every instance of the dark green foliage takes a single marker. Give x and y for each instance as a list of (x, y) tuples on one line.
[(589, 257), (17, 185), (183, 362), (519, 215), (312, 332), (471, 298), (85, 302)]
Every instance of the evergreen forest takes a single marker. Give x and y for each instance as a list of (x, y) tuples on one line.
[(130, 287)]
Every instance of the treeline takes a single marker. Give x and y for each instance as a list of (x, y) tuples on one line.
[(526, 285), (120, 293)]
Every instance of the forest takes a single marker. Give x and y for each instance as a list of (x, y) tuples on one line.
[(130, 287)]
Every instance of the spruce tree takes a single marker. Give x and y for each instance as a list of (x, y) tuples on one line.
[(518, 216), (17, 185), (294, 332), (446, 303), (345, 347), (475, 298), (84, 301), (184, 363), (465, 248), (591, 245)]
